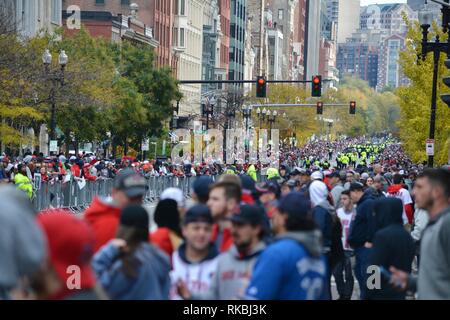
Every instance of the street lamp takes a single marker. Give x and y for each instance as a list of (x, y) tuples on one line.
[(56, 78), (156, 144), (271, 119), (425, 19)]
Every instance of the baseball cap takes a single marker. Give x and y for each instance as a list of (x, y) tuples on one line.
[(317, 175), (198, 213), (174, 194), (356, 186), (295, 204), (268, 186), (70, 242), (248, 214), (305, 172), (131, 183), (201, 186)]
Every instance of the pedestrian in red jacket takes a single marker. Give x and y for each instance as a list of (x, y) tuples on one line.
[(104, 214)]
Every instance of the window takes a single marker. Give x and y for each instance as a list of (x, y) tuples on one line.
[(182, 7), (99, 1), (56, 11), (182, 37), (123, 2), (280, 14)]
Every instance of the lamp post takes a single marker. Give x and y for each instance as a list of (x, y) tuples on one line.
[(436, 47), (208, 110), (55, 77), (271, 118), (261, 115)]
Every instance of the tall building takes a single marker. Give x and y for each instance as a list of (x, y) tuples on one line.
[(249, 56), (30, 17), (312, 38), (225, 18), (211, 45), (275, 49), (299, 40), (284, 12), (389, 73), (155, 14), (257, 15), (190, 61), (348, 18), (358, 59), (387, 18), (237, 40)]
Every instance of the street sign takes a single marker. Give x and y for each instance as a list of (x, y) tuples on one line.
[(145, 145), (430, 147), (53, 145)]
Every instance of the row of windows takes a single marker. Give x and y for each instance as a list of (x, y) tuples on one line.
[(122, 2), (237, 32), (238, 10)]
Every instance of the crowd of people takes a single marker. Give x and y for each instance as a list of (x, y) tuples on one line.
[(285, 238)]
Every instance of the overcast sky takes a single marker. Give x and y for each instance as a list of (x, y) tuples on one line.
[(367, 2)]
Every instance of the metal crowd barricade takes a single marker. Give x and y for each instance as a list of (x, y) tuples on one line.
[(69, 195)]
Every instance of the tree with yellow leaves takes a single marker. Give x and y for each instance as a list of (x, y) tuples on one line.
[(415, 100)]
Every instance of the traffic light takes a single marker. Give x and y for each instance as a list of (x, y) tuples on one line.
[(261, 87), (352, 107), (319, 107), (446, 97), (316, 86)]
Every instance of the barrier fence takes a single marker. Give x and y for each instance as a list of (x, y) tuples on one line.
[(77, 195)]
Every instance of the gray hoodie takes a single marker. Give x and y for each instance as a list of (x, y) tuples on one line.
[(434, 273), (311, 240), (22, 243), (232, 276)]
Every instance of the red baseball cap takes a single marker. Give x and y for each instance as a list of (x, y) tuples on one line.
[(70, 243)]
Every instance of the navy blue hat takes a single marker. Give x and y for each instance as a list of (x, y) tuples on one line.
[(201, 186), (295, 203), (249, 214), (334, 174), (198, 213), (247, 183), (136, 216)]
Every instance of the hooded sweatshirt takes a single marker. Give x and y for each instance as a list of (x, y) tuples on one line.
[(322, 216), (103, 216), (232, 274), (197, 276), (392, 245), (397, 191), (291, 268), (362, 228), (151, 283)]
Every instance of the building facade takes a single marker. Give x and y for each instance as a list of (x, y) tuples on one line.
[(299, 40), (389, 73), (190, 60), (237, 40), (155, 14), (387, 18), (312, 38), (32, 17), (358, 59)]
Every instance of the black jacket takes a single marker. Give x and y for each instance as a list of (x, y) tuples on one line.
[(392, 245), (362, 228)]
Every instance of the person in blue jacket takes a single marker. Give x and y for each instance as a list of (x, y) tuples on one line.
[(362, 230), (293, 267), (129, 267)]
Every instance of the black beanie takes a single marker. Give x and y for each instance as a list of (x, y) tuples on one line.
[(135, 216)]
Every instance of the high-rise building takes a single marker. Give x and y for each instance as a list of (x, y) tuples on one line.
[(211, 45), (225, 18), (275, 48), (348, 18), (257, 15), (237, 39), (312, 38), (358, 59), (299, 40), (387, 18), (389, 73), (284, 19)]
